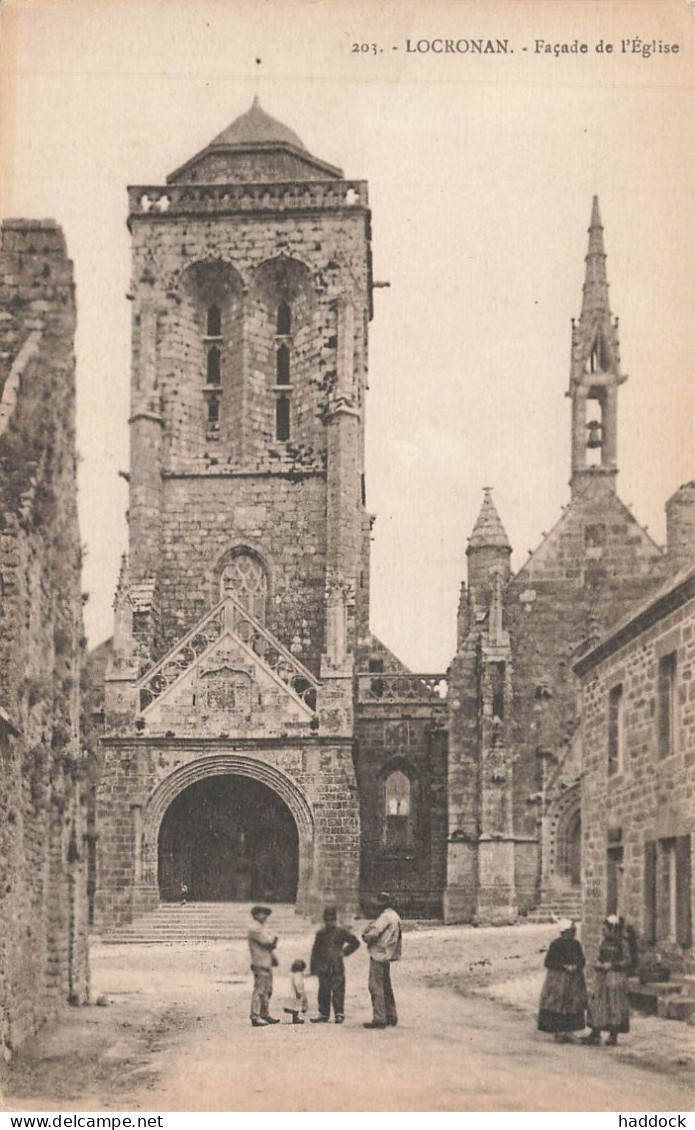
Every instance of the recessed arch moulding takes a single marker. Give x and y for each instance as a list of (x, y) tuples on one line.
[(142, 778)]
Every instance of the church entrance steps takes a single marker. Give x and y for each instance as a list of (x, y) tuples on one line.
[(565, 904), (203, 921)]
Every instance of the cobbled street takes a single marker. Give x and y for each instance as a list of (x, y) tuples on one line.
[(173, 1034)]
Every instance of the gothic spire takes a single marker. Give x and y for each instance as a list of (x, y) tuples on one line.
[(595, 296), (595, 343), (595, 374)]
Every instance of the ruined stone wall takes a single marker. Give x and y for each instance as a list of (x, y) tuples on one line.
[(412, 739), (651, 798), (43, 909)]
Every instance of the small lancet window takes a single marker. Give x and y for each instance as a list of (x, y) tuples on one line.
[(214, 321), (213, 366), (213, 416), (282, 418), (284, 319), (282, 365)]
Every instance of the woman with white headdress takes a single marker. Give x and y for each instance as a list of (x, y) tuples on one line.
[(608, 1008), (563, 997)]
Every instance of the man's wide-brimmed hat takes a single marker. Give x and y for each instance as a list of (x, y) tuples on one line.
[(260, 911)]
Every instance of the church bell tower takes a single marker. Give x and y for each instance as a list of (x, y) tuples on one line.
[(243, 598), (595, 374)]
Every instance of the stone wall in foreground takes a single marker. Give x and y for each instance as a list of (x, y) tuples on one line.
[(43, 908)]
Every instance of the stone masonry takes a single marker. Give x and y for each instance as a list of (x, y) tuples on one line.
[(638, 786), (241, 605), (242, 644), (43, 909)]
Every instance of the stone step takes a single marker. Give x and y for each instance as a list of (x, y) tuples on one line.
[(174, 923)]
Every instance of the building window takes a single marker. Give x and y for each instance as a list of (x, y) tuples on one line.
[(284, 319), (282, 365), (668, 891), (213, 428), (666, 704), (246, 579), (615, 730), (214, 322), (283, 371), (397, 811), (282, 418), (214, 370), (614, 873)]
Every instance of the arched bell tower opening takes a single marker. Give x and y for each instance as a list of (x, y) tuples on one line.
[(228, 838)]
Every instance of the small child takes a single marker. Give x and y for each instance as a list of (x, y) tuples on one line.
[(297, 1000)]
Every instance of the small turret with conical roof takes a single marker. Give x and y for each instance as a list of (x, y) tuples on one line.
[(488, 554)]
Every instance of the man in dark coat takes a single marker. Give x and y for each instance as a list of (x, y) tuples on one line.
[(331, 945)]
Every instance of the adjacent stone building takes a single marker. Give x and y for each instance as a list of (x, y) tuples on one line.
[(43, 917), (638, 784), (259, 742)]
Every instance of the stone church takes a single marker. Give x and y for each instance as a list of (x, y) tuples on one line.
[(258, 742)]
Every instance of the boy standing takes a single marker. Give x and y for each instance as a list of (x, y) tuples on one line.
[(331, 946)]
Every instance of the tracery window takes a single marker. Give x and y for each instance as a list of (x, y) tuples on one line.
[(246, 579), (398, 823)]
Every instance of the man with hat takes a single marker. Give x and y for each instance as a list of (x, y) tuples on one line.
[(261, 945), (383, 938), (332, 945)]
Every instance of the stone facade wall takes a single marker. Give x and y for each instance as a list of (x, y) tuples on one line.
[(392, 737), (43, 908), (283, 520), (315, 778), (651, 798)]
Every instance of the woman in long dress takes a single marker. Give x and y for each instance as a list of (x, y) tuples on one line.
[(608, 1007), (563, 997)]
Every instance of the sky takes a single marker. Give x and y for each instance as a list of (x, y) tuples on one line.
[(481, 172)]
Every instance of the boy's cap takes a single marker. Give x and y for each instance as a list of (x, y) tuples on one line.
[(330, 914), (260, 910)]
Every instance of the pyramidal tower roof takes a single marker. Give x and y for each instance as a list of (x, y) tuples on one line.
[(255, 148), (488, 531), (257, 127)]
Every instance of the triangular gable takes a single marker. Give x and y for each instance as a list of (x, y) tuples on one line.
[(566, 544), (229, 675)]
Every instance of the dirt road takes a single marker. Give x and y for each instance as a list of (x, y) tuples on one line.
[(176, 1036)]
